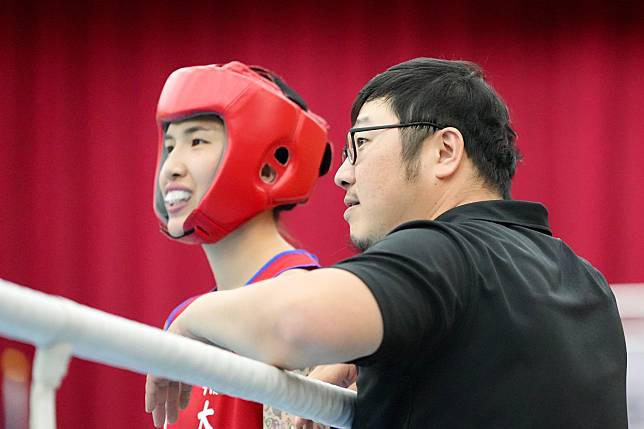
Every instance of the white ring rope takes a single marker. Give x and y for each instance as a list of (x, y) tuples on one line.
[(46, 320)]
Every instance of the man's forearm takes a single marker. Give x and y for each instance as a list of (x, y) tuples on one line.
[(295, 321), (237, 321)]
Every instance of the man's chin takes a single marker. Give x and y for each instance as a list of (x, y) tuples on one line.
[(361, 243)]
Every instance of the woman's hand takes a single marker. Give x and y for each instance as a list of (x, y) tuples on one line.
[(164, 398)]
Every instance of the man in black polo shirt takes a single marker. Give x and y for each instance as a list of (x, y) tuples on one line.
[(463, 311)]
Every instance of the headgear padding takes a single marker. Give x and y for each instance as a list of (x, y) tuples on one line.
[(267, 126)]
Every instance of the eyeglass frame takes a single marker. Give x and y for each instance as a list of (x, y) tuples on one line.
[(352, 132)]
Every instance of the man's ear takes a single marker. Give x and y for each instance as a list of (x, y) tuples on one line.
[(451, 151)]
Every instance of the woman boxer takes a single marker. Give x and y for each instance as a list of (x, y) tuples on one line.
[(237, 146)]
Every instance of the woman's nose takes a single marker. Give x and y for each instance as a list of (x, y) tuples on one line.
[(173, 166)]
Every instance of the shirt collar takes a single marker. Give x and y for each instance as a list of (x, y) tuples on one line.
[(509, 212)]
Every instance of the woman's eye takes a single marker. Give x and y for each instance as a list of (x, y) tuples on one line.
[(169, 149), (196, 142)]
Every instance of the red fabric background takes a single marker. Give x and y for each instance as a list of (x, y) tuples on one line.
[(78, 88)]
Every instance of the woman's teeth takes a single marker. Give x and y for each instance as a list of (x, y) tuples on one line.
[(175, 197)]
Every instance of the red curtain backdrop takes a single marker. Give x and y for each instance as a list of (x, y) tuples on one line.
[(79, 84)]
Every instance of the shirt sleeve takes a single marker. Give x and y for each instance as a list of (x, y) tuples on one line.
[(420, 279)]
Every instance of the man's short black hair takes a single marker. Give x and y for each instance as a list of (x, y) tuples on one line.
[(450, 93)]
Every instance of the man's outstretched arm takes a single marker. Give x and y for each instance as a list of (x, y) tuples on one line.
[(295, 321)]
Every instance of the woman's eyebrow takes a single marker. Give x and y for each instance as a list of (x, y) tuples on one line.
[(195, 129), (187, 131)]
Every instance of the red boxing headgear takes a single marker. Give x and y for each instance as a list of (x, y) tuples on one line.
[(267, 126)]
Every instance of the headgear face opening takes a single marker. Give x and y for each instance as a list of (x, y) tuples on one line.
[(274, 152)]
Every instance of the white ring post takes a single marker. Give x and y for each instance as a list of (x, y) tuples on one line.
[(50, 366)]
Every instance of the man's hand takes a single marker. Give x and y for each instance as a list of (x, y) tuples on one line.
[(340, 374), (164, 398)]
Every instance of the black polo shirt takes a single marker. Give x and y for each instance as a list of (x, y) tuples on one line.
[(489, 322)]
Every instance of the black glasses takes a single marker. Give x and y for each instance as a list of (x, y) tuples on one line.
[(350, 149)]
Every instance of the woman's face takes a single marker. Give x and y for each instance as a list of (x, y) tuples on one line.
[(194, 147)]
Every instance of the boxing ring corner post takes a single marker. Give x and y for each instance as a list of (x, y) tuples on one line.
[(61, 328)]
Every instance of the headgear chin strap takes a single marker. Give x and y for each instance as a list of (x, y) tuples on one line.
[(268, 128)]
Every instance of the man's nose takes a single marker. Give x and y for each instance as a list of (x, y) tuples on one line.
[(345, 176)]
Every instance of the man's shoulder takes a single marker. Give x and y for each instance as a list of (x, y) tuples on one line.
[(428, 243), (433, 234)]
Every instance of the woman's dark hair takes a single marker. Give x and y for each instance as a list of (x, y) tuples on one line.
[(449, 93)]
